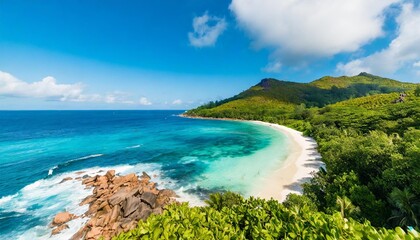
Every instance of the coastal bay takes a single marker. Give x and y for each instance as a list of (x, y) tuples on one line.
[(301, 160), (192, 157)]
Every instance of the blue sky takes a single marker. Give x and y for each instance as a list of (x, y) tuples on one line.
[(165, 54)]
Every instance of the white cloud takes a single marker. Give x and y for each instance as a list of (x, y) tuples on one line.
[(177, 102), (110, 99), (402, 52), (298, 30), (118, 97), (416, 64), (207, 30), (49, 89), (46, 88), (354, 67), (273, 67), (144, 101)]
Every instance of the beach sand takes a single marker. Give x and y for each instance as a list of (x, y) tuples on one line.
[(302, 160)]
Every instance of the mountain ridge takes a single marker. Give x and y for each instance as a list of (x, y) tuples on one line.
[(363, 77), (318, 93)]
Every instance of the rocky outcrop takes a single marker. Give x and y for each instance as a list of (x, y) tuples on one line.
[(66, 179), (117, 204), (58, 229), (62, 218)]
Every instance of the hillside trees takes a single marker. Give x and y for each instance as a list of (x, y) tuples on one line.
[(375, 153), (406, 207), (417, 91), (370, 144)]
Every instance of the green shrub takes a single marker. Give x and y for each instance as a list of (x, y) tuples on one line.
[(299, 201), (227, 199), (255, 218)]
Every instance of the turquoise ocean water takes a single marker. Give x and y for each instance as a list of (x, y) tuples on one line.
[(194, 157)]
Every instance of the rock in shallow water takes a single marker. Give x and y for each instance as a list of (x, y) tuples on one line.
[(117, 204), (66, 179), (62, 218), (57, 230)]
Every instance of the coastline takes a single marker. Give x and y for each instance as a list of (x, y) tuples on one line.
[(297, 168)]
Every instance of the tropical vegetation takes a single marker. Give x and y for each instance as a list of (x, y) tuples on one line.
[(233, 217), (368, 133)]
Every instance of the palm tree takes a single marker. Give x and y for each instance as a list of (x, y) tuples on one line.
[(407, 210), (346, 207)]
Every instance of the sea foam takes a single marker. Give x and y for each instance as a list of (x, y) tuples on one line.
[(6, 199), (44, 198), (135, 146)]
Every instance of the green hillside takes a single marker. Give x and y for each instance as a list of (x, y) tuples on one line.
[(271, 95), (363, 78), (368, 137), (279, 101)]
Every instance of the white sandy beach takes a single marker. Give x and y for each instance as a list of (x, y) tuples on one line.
[(300, 163)]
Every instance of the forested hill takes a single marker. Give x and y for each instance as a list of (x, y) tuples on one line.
[(324, 91), (361, 79), (274, 97)]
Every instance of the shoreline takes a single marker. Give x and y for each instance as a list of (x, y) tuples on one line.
[(302, 160)]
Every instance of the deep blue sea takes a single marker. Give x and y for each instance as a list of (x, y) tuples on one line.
[(192, 156)]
